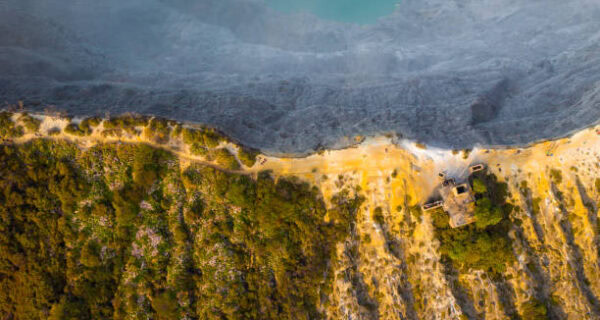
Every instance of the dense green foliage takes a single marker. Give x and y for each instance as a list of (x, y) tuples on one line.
[(127, 122), (84, 128), (483, 245), (118, 231), (206, 137)]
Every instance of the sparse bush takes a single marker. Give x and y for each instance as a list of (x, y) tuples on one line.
[(377, 216), (556, 175), (466, 153)]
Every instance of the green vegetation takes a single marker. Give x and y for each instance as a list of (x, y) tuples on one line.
[(556, 175), (247, 156), (534, 310), (90, 122), (158, 131), (200, 150), (31, 124), (206, 137), (483, 245), (377, 216), (84, 128), (126, 122), (74, 130), (8, 129), (118, 232), (225, 159)]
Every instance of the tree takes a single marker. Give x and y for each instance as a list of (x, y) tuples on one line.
[(479, 186), (486, 214)]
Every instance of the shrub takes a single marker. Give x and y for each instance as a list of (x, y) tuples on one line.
[(534, 310), (126, 122), (378, 216), (8, 129), (486, 214), (75, 130), (158, 130), (479, 186), (54, 131), (90, 122), (225, 159), (199, 150), (556, 175), (205, 137), (247, 157), (31, 124)]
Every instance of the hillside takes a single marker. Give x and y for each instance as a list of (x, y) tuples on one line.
[(137, 217)]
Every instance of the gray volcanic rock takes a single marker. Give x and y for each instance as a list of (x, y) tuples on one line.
[(449, 73)]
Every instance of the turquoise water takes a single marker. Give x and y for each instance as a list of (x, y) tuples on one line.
[(354, 11)]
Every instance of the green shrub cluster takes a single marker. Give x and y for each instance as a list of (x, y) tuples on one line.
[(74, 130), (8, 129), (484, 245), (90, 122), (31, 124), (205, 137), (158, 130), (118, 232), (225, 159), (126, 122), (84, 128), (556, 175), (247, 156)]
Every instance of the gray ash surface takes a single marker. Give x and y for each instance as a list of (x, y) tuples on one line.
[(446, 73)]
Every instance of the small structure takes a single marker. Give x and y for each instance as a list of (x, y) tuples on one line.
[(458, 200), (475, 168), (459, 203)]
